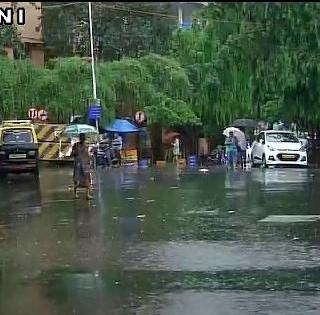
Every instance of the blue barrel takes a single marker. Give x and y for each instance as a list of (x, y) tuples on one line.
[(192, 160), (143, 163)]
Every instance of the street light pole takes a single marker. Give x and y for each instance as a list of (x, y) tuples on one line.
[(94, 83), (180, 16)]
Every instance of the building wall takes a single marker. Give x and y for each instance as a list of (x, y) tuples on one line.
[(36, 54), (31, 32)]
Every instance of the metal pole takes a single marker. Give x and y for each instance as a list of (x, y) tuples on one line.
[(94, 84), (180, 16)]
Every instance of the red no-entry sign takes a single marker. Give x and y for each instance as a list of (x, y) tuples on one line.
[(35, 114), (140, 117), (32, 113), (42, 115)]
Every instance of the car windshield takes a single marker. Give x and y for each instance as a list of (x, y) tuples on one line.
[(282, 137), (17, 136)]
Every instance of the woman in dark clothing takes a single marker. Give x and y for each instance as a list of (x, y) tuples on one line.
[(81, 170)]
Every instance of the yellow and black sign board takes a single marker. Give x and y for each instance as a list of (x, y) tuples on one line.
[(49, 139), (50, 151), (49, 132)]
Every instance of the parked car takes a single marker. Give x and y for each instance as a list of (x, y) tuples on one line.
[(18, 147), (273, 147)]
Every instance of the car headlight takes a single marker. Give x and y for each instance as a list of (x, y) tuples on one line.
[(303, 149), (271, 148), (2, 153), (32, 153)]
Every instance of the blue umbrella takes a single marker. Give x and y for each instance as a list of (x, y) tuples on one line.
[(121, 126)]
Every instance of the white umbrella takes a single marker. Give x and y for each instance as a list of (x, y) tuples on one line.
[(238, 134), (76, 129)]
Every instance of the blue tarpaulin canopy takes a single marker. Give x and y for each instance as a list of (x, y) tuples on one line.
[(121, 126)]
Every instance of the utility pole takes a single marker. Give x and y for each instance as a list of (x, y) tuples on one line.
[(94, 82)]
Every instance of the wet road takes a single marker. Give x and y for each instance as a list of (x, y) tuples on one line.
[(160, 242)]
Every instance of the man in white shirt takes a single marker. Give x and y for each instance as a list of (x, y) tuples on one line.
[(117, 146)]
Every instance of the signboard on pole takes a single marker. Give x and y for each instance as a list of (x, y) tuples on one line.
[(140, 117), (32, 113), (37, 115), (42, 115), (94, 112)]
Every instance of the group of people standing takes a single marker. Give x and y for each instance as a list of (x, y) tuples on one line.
[(235, 151), (110, 149)]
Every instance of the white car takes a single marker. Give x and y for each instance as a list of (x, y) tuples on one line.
[(278, 148)]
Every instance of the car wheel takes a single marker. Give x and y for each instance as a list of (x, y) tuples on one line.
[(3, 175), (264, 162), (36, 172), (252, 162)]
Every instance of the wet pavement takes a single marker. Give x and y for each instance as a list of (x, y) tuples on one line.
[(160, 242)]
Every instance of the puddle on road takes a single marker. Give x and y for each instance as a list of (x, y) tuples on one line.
[(200, 233), (216, 256), (291, 219)]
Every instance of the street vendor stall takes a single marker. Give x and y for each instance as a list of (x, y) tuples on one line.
[(128, 131)]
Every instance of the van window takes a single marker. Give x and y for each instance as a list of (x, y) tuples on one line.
[(17, 136)]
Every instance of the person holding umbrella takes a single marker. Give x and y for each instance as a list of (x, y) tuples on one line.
[(242, 147), (231, 144), (81, 170), (176, 150)]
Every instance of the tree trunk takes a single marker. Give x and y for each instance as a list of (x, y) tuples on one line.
[(156, 143)]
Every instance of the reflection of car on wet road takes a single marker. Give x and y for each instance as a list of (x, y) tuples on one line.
[(278, 148), (18, 147)]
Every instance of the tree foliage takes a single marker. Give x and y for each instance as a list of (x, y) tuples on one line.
[(237, 60), (64, 88), (117, 32), (9, 38), (254, 60)]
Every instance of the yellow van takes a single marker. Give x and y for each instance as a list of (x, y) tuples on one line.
[(18, 147)]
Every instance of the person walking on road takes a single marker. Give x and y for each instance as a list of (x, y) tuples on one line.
[(81, 170), (176, 150), (231, 144)]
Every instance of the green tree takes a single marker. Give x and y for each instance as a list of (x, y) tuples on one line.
[(119, 32), (64, 87), (9, 38), (254, 60)]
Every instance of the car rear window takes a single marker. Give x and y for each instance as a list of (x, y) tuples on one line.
[(17, 136)]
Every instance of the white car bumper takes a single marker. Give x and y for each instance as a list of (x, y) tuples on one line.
[(287, 158)]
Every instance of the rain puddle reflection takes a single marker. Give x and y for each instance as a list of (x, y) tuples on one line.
[(160, 242)]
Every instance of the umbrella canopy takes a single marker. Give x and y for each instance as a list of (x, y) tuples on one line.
[(245, 123), (168, 137), (76, 129), (121, 126), (238, 134)]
